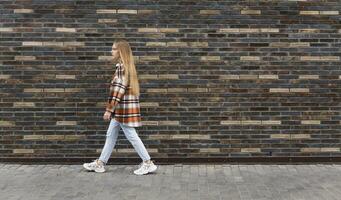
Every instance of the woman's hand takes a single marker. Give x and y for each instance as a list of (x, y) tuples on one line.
[(107, 116)]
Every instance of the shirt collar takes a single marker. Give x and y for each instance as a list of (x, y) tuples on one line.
[(120, 66)]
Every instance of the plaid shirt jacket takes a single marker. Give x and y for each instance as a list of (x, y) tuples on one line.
[(123, 105)]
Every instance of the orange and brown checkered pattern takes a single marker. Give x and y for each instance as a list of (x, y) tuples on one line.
[(124, 106)]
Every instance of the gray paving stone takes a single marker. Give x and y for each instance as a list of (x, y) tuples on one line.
[(235, 182)]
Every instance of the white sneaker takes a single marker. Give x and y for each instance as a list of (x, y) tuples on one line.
[(94, 166), (145, 168)]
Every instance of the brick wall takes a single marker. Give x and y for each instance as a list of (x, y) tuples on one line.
[(224, 79)]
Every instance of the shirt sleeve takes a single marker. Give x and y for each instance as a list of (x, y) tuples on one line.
[(118, 86)]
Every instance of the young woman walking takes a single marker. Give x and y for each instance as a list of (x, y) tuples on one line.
[(123, 110)]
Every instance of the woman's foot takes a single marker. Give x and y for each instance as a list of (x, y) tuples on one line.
[(96, 166), (145, 168)]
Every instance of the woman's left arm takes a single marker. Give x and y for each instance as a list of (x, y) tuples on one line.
[(117, 90)]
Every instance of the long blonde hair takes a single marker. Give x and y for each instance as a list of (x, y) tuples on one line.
[(127, 58)]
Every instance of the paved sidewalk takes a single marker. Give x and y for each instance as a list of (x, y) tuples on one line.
[(174, 182)]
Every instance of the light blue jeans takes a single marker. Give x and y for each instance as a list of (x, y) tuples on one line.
[(131, 135)]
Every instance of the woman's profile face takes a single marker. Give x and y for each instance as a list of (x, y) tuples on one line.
[(114, 52)]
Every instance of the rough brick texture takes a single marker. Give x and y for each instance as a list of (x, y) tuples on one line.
[(223, 79)]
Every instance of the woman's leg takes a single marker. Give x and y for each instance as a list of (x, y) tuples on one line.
[(111, 138), (135, 140)]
